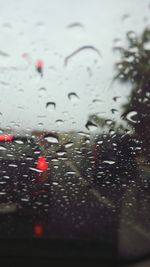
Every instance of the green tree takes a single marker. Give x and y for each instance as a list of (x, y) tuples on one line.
[(134, 68)]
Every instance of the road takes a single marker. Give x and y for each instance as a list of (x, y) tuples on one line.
[(77, 209), (80, 210)]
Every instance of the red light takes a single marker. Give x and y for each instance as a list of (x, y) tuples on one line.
[(5, 137), (42, 164), (39, 67), (38, 230), (40, 63)]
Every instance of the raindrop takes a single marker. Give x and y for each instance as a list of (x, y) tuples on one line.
[(40, 124), (109, 122), (10, 155), (4, 83), (51, 139), (115, 98), (65, 113), (113, 110), (68, 145), (41, 116), (54, 183), (91, 126), (2, 148), (39, 24), (3, 54), (89, 71), (13, 165), (147, 46), (59, 122), (109, 161), (130, 117), (20, 107), (73, 97), (7, 25), (21, 91), (112, 132), (97, 101), (71, 172), (131, 35), (61, 153), (125, 17), (42, 90), (100, 142), (25, 199), (75, 25), (50, 106), (148, 94), (82, 48), (34, 169), (6, 177)]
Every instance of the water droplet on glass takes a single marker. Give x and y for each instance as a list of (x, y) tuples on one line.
[(51, 139), (113, 110), (125, 17), (13, 165), (75, 25), (91, 126), (19, 142), (81, 49), (97, 101), (59, 122), (112, 132), (73, 97), (39, 24), (42, 90), (115, 98), (7, 25), (109, 122), (3, 54), (34, 169), (131, 35), (65, 113), (40, 124), (68, 145), (55, 183), (2, 148), (50, 106), (89, 71), (131, 117), (61, 153)]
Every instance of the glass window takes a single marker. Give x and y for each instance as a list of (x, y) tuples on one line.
[(75, 97)]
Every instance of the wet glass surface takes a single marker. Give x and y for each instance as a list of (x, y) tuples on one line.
[(75, 122)]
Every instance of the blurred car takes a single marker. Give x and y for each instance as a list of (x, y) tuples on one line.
[(24, 174), (114, 159)]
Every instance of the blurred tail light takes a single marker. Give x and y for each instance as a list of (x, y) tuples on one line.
[(4, 137), (42, 164), (38, 230)]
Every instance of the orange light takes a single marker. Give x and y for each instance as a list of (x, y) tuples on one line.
[(42, 164), (38, 230), (4, 137)]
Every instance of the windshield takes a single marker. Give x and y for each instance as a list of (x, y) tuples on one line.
[(75, 79)]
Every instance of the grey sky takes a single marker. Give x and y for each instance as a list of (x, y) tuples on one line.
[(39, 29)]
